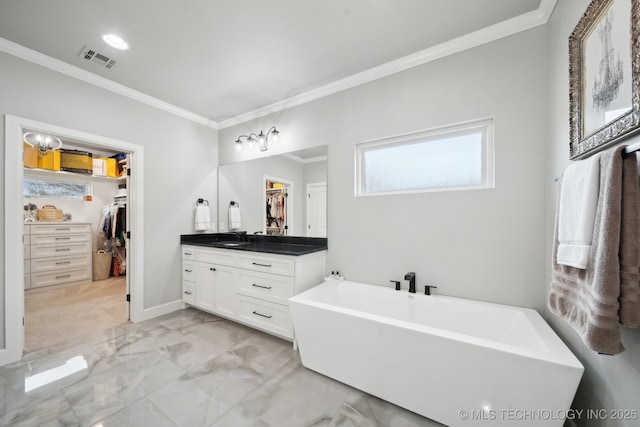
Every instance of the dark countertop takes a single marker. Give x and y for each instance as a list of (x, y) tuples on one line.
[(281, 245)]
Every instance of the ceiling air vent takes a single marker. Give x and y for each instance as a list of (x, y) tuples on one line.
[(97, 58)]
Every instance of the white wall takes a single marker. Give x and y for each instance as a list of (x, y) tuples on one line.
[(486, 245), (609, 382), (180, 158)]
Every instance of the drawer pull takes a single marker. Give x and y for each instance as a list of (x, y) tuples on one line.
[(268, 316), (261, 265), (63, 229), (260, 286), (63, 250), (63, 277), (188, 253), (187, 292), (63, 238), (189, 271), (63, 262)]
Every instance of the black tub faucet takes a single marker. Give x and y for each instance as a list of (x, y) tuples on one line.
[(411, 277)]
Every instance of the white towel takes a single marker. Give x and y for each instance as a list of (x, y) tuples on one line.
[(578, 203), (235, 222), (202, 218)]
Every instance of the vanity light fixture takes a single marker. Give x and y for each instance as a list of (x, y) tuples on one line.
[(261, 138), (115, 41), (43, 141)]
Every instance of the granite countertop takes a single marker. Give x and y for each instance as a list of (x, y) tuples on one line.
[(281, 245)]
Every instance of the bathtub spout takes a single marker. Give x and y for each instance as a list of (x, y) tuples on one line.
[(411, 277)]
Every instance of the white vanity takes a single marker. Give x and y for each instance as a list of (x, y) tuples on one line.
[(249, 287)]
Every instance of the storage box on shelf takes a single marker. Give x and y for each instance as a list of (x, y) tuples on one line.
[(250, 287), (56, 253)]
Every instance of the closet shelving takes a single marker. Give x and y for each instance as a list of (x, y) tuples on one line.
[(46, 173)]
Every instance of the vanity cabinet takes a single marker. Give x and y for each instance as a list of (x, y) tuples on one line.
[(56, 253), (249, 287)]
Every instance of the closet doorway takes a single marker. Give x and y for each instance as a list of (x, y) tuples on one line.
[(126, 284), (278, 202)]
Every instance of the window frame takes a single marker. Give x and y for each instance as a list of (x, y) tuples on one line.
[(484, 126), (59, 179)]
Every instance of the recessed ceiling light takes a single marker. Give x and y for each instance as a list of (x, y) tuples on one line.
[(115, 41)]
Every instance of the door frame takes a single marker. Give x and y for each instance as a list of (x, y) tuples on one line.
[(14, 225), (309, 186)]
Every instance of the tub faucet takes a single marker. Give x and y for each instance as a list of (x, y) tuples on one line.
[(411, 277)]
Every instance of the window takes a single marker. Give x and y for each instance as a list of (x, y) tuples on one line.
[(37, 187), (456, 157)]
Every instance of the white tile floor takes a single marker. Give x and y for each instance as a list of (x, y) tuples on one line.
[(188, 368)]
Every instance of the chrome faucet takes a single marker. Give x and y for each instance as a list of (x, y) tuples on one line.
[(411, 277)]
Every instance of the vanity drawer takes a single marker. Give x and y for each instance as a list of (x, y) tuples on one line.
[(60, 228), (51, 264), (222, 257), (52, 239), (188, 293), (272, 287), (45, 279), (188, 271), (188, 252), (60, 250), (265, 315), (267, 264)]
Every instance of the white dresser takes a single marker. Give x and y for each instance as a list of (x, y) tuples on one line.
[(56, 253), (249, 287)]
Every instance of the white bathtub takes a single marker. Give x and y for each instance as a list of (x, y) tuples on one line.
[(456, 361)]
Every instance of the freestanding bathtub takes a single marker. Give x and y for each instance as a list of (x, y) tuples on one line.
[(456, 361)]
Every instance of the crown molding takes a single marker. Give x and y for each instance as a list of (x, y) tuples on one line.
[(38, 58), (485, 35)]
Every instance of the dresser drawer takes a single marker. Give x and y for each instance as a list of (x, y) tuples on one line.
[(265, 315), (60, 250), (266, 264), (60, 228), (188, 252), (272, 287), (188, 293), (222, 257), (54, 278), (27, 250), (27, 266), (53, 239), (188, 271), (68, 262)]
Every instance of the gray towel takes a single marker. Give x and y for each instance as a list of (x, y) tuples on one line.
[(595, 299)]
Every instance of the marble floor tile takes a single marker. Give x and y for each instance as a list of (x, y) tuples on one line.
[(187, 368), (295, 397), (363, 410), (138, 414), (111, 390), (199, 399)]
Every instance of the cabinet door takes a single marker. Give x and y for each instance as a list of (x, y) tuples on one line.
[(224, 299), (205, 277)]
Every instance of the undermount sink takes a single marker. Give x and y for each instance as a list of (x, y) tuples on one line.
[(232, 244)]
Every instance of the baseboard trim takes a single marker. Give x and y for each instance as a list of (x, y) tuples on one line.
[(160, 310)]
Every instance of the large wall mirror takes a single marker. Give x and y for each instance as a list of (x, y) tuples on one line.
[(282, 195)]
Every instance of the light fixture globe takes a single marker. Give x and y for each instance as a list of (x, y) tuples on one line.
[(115, 41)]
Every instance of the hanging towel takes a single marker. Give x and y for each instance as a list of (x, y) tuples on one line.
[(578, 202), (202, 217), (235, 222), (593, 300)]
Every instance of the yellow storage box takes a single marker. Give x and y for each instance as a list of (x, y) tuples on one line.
[(30, 156), (112, 168), (50, 160), (76, 161)]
